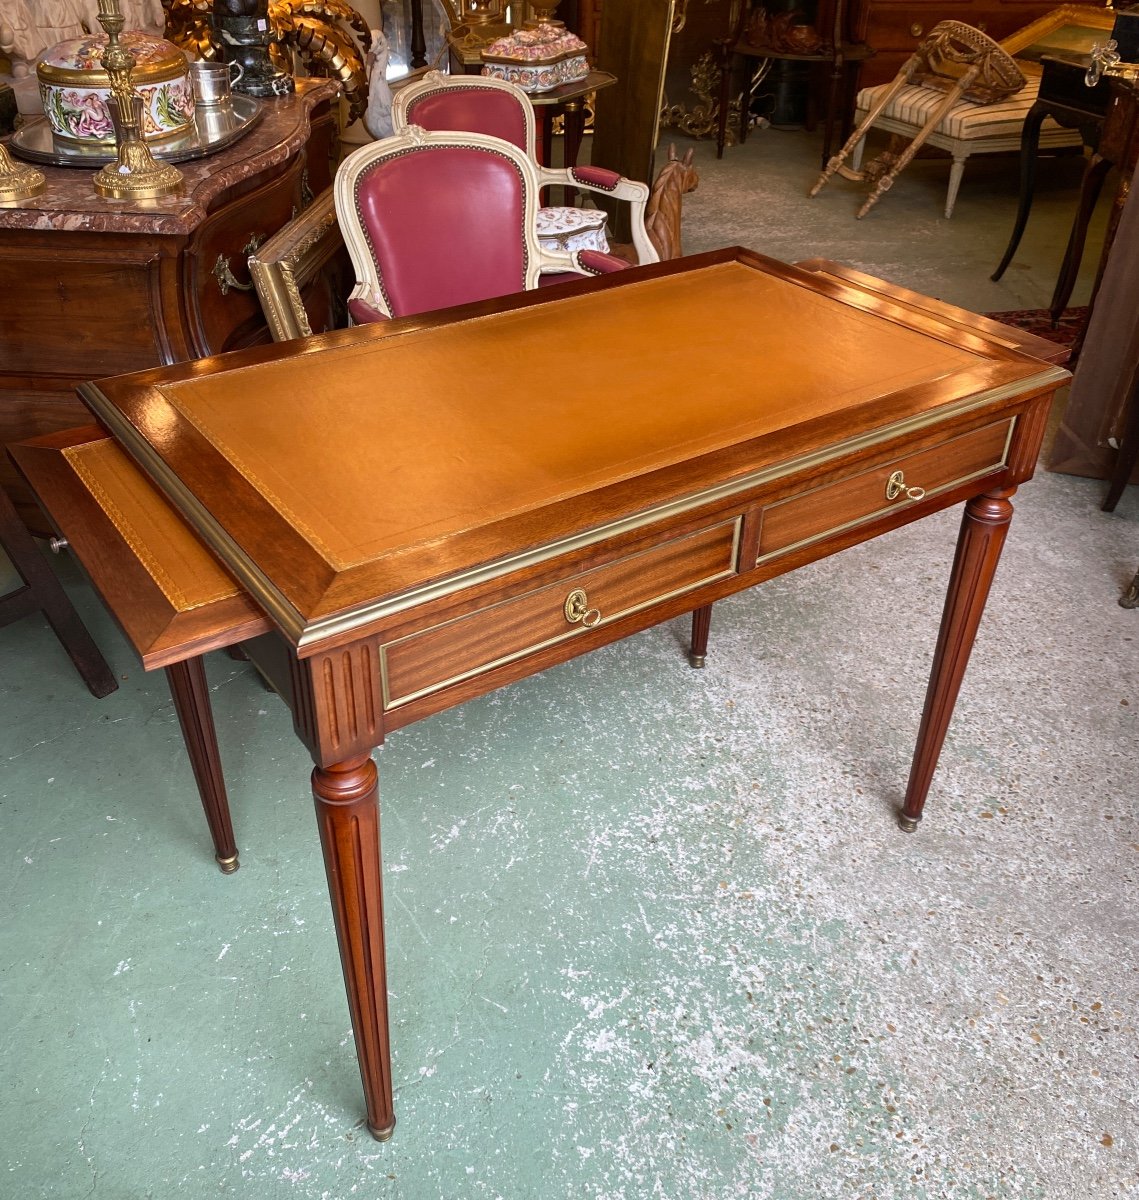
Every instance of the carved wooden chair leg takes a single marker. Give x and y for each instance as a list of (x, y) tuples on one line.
[(42, 591), (955, 61), (835, 166), (886, 181)]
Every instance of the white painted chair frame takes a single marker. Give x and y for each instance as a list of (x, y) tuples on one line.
[(368, 287), (636, 194)]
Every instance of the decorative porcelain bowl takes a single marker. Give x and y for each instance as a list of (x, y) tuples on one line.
[(75, 88), (537, 59)]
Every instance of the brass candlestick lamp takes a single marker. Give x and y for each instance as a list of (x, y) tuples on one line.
[(18, 181), (134, 175)]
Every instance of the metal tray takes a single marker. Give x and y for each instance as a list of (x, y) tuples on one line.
[(216, 126)]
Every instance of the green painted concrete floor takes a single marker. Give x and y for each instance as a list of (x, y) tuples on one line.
[(652, 932)]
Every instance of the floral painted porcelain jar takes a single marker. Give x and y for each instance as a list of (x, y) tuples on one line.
[(537, 58), (75, 89)]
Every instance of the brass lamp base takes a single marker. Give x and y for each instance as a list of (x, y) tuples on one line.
[(135, 174), (18, 181), (141, 180)]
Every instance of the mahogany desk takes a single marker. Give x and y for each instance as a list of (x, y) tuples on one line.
[(456, 527)]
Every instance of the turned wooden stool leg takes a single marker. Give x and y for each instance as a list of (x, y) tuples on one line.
[(191, 695), (347, 813), (701, 624), (983, 530)]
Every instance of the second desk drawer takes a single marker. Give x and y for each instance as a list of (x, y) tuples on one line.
[(433, 658), (834, 507)]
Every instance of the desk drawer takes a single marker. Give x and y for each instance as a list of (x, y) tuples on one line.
[(834, 507), (220, 299), (433, 658)]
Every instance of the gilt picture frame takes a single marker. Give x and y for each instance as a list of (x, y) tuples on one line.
[(1069, 29)]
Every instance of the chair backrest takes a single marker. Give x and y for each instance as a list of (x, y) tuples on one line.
[(956, 55), (432, 220), (467, 102)]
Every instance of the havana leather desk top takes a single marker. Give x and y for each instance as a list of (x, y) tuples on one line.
[(425, 511)]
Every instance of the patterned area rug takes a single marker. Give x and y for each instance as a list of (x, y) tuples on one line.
[(1039, 322)]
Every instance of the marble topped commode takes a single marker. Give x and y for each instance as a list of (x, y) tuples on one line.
[(92, 287)]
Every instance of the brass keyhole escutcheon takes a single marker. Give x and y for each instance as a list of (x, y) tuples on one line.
[(896, 486), (577, 610)]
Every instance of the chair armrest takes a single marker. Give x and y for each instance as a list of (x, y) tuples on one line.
[(593, 262), (609, 183), (590, 176), (362, 313), (562, 266)]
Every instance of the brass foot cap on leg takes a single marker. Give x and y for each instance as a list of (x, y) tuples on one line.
[(908, 824), (696, 660), (227, 865), (382, 1135)]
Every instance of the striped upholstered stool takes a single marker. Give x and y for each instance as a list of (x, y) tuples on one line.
[(967, 128)]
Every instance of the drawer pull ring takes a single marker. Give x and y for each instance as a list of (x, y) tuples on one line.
[(896, 486), (577, 609)]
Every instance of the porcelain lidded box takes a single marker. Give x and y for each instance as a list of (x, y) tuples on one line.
[(537, 59), (75, 89)]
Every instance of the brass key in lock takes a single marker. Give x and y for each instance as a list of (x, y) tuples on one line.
[(577, 610), (896, 486)]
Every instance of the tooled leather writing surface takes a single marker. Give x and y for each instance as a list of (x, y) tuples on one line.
[(178, 563), (357, 470), (446, 432)]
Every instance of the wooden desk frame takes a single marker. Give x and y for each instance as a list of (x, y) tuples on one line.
[(709, 527)]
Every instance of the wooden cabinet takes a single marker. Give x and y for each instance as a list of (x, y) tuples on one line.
[(895, 28), (90, 287)]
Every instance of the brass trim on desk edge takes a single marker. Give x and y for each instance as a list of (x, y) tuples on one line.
[(854, 522), (1001, 464), (391, 703), (287, 618), (307, 636)]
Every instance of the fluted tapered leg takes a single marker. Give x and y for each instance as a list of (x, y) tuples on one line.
[(983, 531), (347, 813), (191, 695), (701, 624)]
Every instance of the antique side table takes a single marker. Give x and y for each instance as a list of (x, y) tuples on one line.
[(836, 63), (91, 287), (394, 560)]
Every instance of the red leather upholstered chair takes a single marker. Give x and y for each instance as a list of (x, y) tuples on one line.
[(492, 106), (432, 220)]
